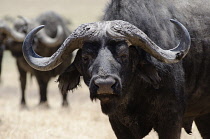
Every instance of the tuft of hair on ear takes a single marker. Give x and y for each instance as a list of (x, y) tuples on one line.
[(69, 79)]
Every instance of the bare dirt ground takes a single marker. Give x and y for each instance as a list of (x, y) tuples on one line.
[(83, 119)]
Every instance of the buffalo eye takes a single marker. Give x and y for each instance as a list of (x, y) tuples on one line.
[(89, 51), (119, 48), (86, 58), (122, 51), (113, 43), (122, 56)]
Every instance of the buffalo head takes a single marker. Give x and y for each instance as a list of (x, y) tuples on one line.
[(106, 58), (22, 26)]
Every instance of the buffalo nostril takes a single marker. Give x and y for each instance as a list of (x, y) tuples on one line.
[(114, 85), (105, 85), (100, 82)]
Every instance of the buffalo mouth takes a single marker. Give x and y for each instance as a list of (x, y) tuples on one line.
[(107, 98), (109, 102), (105, 89)]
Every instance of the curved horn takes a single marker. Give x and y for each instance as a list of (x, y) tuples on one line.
[(140, 39), (74, 41), (118, 29), (26, 22), (51, 42), (17, 36)]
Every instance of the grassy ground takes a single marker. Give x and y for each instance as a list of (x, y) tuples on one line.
[(83, 119)]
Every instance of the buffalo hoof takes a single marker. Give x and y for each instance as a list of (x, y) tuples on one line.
[(24, 107), (65, 104), (44, 105)]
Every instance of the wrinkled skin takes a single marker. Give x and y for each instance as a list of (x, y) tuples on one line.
[(137, 91), (15, 47)]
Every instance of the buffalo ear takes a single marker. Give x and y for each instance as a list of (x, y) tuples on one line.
[(149, 73), (70, 78)]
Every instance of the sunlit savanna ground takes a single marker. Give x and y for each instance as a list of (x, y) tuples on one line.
[(83, 119)]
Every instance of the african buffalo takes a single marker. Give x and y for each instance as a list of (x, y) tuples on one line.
[(131, 64), (46, 43)]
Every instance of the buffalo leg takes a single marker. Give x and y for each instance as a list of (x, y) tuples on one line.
[(1, 57), (169, 120), (22, 77), (65, 102), (169, 126), (170, 132), (203, 125), (42, 88)]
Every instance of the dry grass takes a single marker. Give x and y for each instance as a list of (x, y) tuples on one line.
[(83, 119)]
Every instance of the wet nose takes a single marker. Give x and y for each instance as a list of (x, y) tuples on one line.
[(105, 85)]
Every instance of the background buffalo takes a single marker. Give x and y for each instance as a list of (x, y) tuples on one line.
[(46, 43)]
